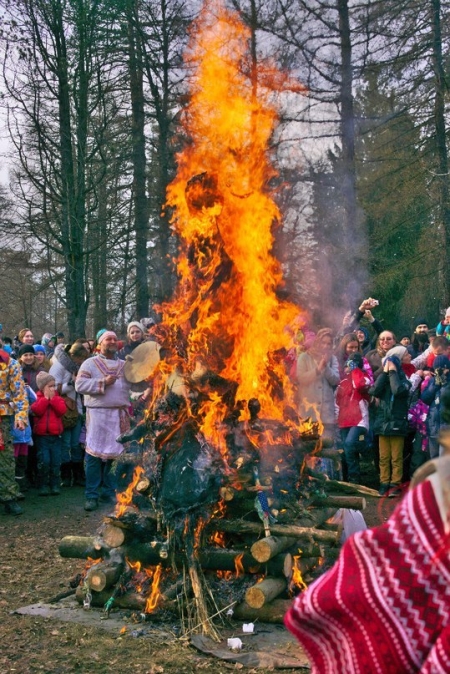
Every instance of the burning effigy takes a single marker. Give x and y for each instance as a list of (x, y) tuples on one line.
[(218, 512)]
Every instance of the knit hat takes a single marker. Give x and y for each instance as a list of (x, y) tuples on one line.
[(136, 324), (354, 360), (106, 333), (399, 351), (42, 379), (361, 328), (25, 348), (99, 334), (441, 362), (420, 321), (47, 337), (38, 348)]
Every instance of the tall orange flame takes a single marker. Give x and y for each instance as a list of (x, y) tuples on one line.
[(227, 302)]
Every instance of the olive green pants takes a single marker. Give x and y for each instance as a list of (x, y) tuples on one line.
[(391, 459)]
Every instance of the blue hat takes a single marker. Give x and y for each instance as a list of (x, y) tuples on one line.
[(441, 361), (38, 348)]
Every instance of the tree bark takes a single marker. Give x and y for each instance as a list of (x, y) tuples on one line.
[(273, 612), (276, 529), (141, 213), (263, 593), (268, 547), (104, 575)]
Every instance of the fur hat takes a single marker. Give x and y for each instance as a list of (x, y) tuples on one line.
[(42, 379), (136, 324), (25, 348)]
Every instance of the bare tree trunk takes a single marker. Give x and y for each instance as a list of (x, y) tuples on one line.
[(441, 146), (139, 160), (347, 124)]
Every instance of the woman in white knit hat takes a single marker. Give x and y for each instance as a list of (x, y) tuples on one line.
[(136, 334)]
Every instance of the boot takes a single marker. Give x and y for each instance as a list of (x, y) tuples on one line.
[(43, 480), (13, 508), (21, 475), (55, 481), (78, 474), (66, 474)]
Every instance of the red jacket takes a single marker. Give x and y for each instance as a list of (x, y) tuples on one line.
[(352, 400), (48, 414)]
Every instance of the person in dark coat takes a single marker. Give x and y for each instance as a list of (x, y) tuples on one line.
[(431, 395), (391, 389)]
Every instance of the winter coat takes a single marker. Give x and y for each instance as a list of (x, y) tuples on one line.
[(129, 348), (48, 415), (24, 437), (391, 416), (316, 391), (352, 400), (374, 359), (442, 329), (431, 395), (30, 373), (64, 371)]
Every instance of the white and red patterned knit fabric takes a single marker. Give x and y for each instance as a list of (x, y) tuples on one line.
[(384, 607)]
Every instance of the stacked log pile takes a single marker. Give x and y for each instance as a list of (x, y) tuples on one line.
[(251, 553)]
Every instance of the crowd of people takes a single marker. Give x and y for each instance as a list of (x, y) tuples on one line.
[(375, 395), (63, 406)]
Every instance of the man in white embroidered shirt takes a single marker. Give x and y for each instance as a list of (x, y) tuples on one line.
[(102, 381)]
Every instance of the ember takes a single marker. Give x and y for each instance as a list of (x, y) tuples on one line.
[(222, 483)]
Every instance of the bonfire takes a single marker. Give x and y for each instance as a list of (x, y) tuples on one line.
[(221, 515)]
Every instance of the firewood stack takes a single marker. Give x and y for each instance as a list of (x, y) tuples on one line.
[(241, 535)]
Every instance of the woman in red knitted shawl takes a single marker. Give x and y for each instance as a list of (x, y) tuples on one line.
[(384, 607)]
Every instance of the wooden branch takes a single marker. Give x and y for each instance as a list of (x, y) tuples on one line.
[(292, 530), (131, 600), (104, 575), (113, 535), (353, 502), (268, 547), (272, 612), (343, 487), (263, 593), (82, 547)]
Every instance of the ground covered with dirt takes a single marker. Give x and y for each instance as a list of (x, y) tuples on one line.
[(32, 571)]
